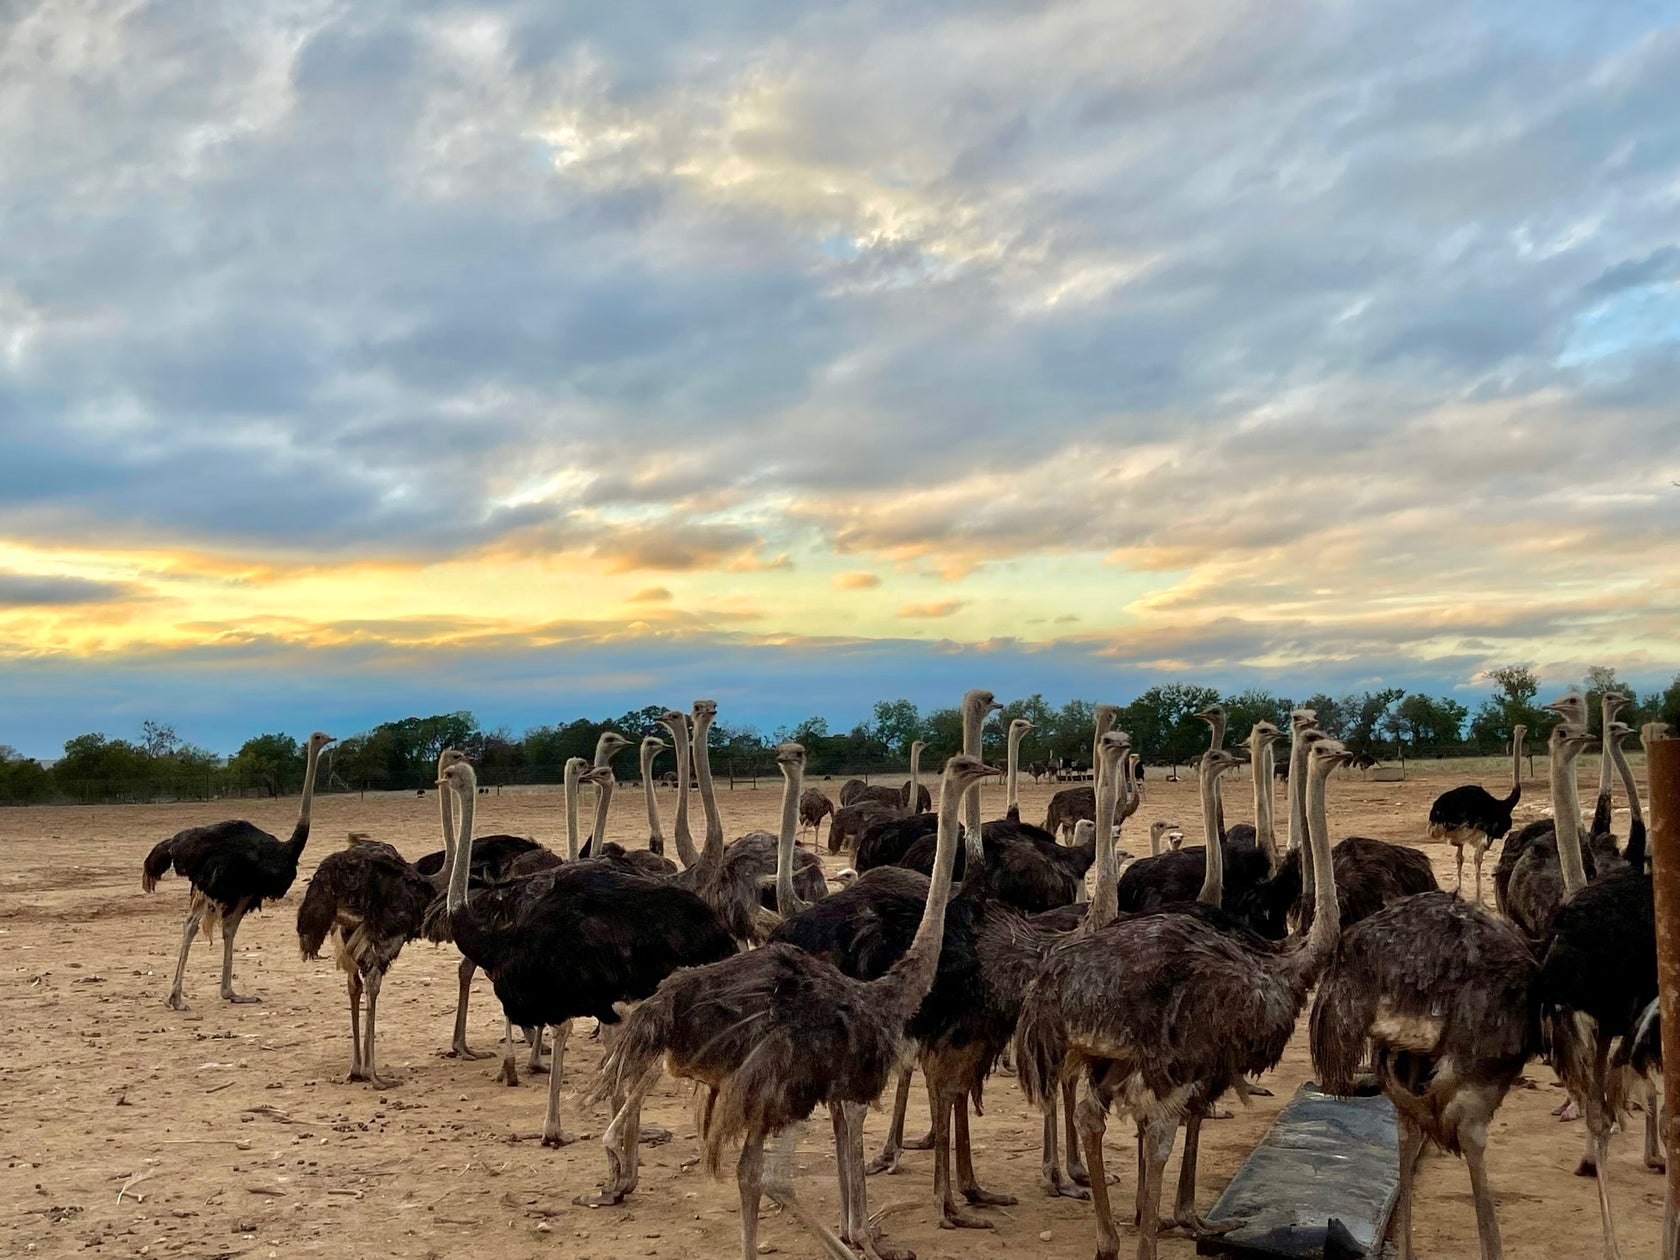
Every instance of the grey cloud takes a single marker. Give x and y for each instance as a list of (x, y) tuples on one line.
[(26, 590)]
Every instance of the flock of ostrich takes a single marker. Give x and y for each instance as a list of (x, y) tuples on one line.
[(954, 944)]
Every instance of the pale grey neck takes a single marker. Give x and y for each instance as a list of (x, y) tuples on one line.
[(1105, 897), (311, 758), (713, 851), (1566, 819), (1265, 834), (680, 833), (446, 807), (914, 804), (463, 849), (649, 798), (1013, 802), (573, 781), (1213, 882), (788, 903), (1297, 792), (603, 802), (1626, 772), (972, 721), (1327, 910), (1607, 715)]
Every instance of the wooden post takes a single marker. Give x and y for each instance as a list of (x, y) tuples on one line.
[(1662, 755)]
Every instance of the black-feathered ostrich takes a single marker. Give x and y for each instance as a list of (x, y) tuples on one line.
[(372, 901), (580, 939), (1165, 1012), (1441, 993), (772, 1033), (232, 867), (1597, 975), (1471, 815)]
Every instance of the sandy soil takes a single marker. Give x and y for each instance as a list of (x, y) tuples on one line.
[(233, 1135)]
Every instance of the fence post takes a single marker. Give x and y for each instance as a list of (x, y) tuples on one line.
[(1662, 761)]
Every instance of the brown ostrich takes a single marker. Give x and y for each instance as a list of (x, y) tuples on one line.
[(814, 806), (1165, 1012), (772, 1033)]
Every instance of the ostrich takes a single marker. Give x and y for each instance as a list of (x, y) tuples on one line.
[(772, 1033), (1610, 705), (1443, 994), (814, 806), (372, 902), (651, 747), (638, 861), (1472, 815), (849, 823), (1163, 832), (1165, 1012), (1217, 720), (579, 939), (1597, 974), (1529, 879), (232, 868), (608, 746)]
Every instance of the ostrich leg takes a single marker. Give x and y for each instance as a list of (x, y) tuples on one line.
[(1158, 1137), (1075, 1166), (777, 1182), (887, 1160), (1055, 1184), (1410, 1139), (534, 1039), (620, 1140), (509, 1075), (353, 982), (870, 1238), (1655, 1160), (195, 915), (1092, 1123), (1458, 866), (230, 927), (1598, 1137), (552, 1133), (370, 1066), (965, 1163), (749, 1177), (941, 1102), (458, 1047)]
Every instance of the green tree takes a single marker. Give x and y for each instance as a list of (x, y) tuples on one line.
[(1367, 712), (1333, 719), (1162, 722), (1429, 723), (158, 739), (1667, 705), (273, 763), (897, 724), (1245, 708)]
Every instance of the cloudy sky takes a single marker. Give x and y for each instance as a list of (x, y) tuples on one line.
[(366, 359)]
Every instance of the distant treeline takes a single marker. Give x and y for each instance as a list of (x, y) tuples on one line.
[(403, 754)]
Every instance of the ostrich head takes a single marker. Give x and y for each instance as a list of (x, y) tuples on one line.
[(1327, 754), (1218, 761), (598, 775), (1571, 706), (673, 720), (1567, 741), (917, 748), (1615, 701), (1019, 727), (1083, 830), (609, 746), (790, 755), (459, 777), (319, 740), (1617, 730), (980, 701), (1262, 735), (653, 744), (449, 757), (966, 771), (1162, 830), (705, 709), (1303, 719)]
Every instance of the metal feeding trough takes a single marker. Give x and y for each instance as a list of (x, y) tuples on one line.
[(1321, 1183)]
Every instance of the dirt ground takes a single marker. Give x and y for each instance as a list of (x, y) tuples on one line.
[(132, 1129)]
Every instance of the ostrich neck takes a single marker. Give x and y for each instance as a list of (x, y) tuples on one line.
[(1628, 785), (788, 903), (1607, 715), (973, 716), (914, 803), (656, 841), (908, 981), (1566, 816), (1213, 883), (1013, 801), (1297, 792), (300, 833), (463, 849), (1516, 766), (1105, 717), (679, 827), (451, 854), (1105, 898), (712, 853), (1263, 833), (573, 775), (1327, 910), (603, 801)]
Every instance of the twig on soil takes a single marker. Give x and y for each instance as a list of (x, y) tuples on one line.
[(273, 1113), (216, 1089), (136, 1179)]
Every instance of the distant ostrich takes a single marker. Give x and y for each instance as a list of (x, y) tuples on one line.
[(608, 746), (851, 821), (814, 806), (1442, 993), (232, 868), (1217, 720), (1470, 815), (850, 790), (1039, 771), (651, 747), (1597, 974), (577, 940), (1018, 727), (772, 1033), (1610, 705), (1163, 832), (1166, 1012), (373, 902)]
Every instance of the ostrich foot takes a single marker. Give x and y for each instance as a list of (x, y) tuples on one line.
[(877, 1246), (954, 1217), (885, 1162), (652, 1135), (1586, 1168), (923, 1143), (240, 999), (1567, 1110), (509, 1075), (461, 1050), (176, 1002), (558, 1139), (373, 1078), (985, 1198), (1656, 1163), (1197, 1227), (1216, 1111), (539, 1069), (1058, 1186), (1258, 1091), (606, 1196)]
